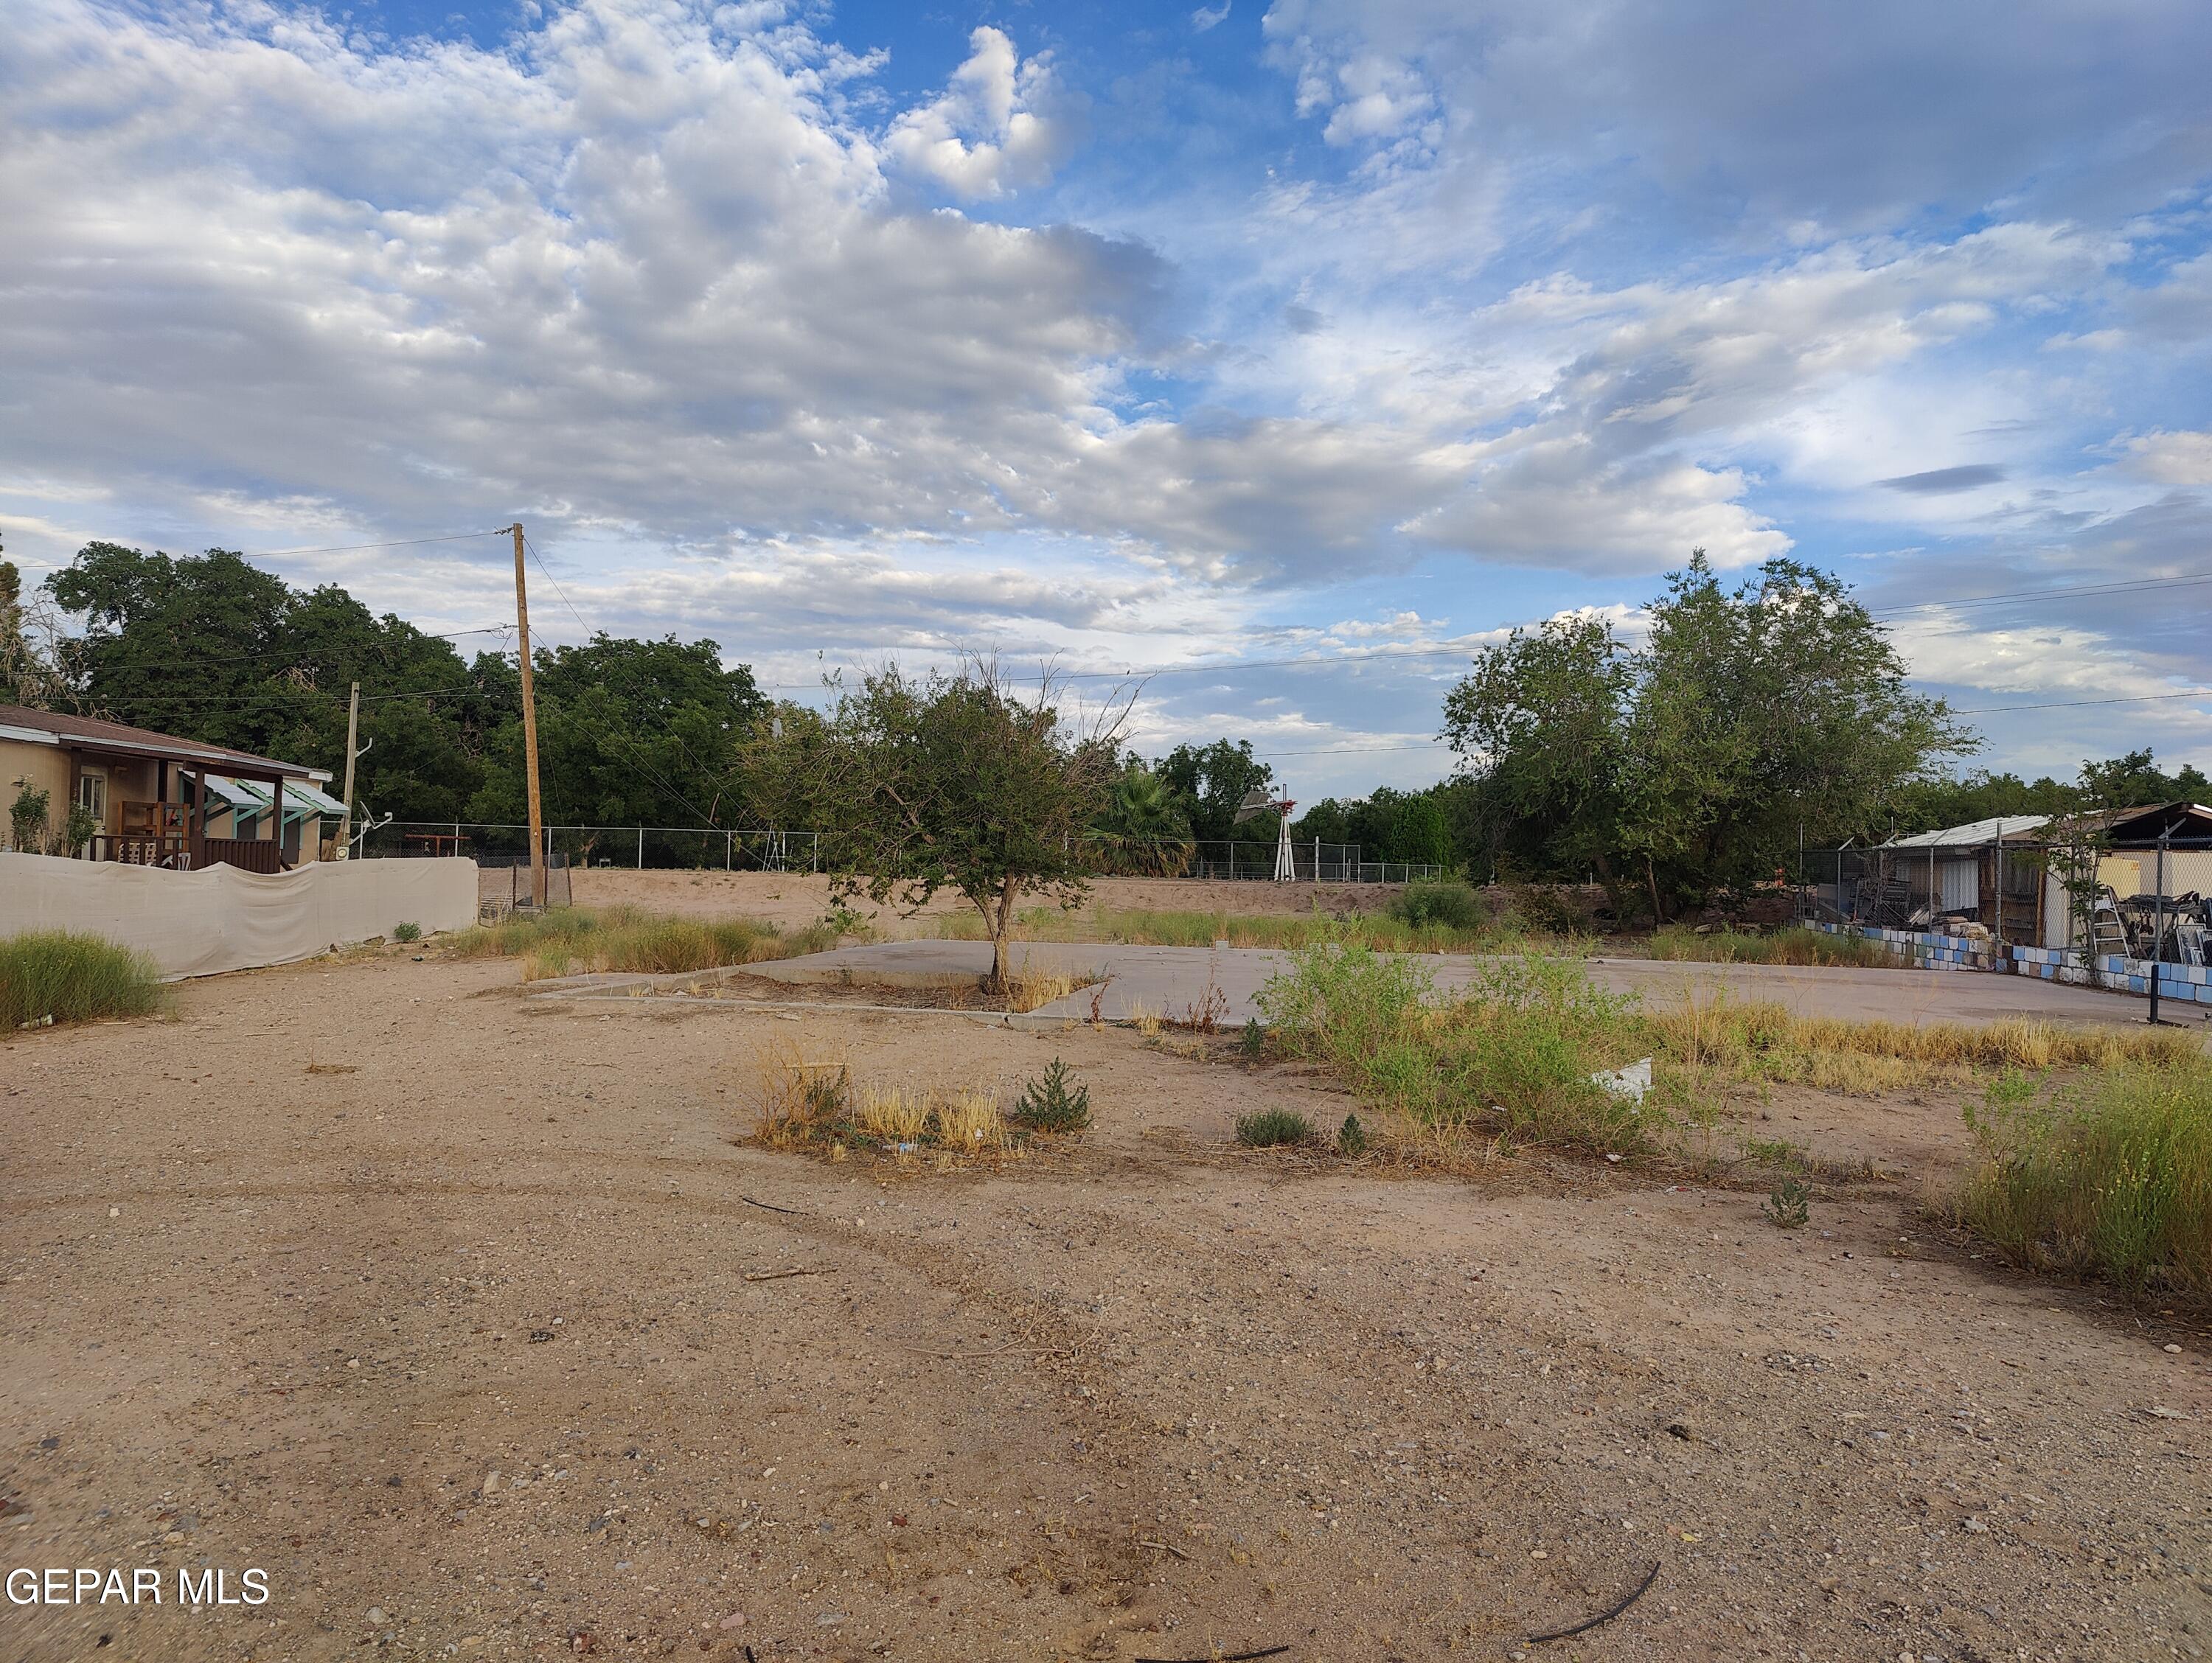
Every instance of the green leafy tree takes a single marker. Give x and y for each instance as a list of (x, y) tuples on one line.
[(28, 675), (953, 782), (630, 733), (2136, 781), (1538, 726), (1691, 764), (1210, 781), (216, 649), (1777, 705)]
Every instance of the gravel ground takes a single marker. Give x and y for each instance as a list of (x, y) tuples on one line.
[(434, 1304)]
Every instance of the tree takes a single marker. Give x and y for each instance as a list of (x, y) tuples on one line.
[(212, 647), (1537, 723), (946, 782), (1210, 781), (2136, 781), (1387, 824), (630, 733), (1691, 764), (1144, 829), (28, 674), (1777, 705)]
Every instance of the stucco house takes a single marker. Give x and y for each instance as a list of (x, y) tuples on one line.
[(159, 799)]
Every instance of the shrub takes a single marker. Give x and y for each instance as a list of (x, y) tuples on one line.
[(62, 976), (1515, 1051), (2112, 1178), (27, 819), (1053, 1101), (1791, 1206), (407, 932), (1791, 946), (1252, 1042), (1271, 1128), (1352, 1137), (1444, 901), (565, 940), (1547, 909)]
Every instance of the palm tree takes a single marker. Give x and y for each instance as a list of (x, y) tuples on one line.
[(1144, 829)]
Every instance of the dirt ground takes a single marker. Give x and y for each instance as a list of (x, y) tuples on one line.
[(789, 899), (438, 1306)]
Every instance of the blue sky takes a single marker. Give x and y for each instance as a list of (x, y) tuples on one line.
[(1144, 336)]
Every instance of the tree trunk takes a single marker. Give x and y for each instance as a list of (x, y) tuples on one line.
[(1001, 920)]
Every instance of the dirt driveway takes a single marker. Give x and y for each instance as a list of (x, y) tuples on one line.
[(456, 1336)]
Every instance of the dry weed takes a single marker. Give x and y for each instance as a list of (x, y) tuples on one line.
[(1030, 990), (970, 1123)]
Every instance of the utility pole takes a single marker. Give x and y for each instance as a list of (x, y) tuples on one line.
[(353, 732), (529, 731)]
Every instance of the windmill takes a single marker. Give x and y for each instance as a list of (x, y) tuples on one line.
[(1257, 802)]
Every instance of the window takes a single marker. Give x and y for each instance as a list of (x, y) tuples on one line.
[(92, 793)]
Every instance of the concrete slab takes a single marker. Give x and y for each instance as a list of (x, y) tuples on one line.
[(1171, 981)]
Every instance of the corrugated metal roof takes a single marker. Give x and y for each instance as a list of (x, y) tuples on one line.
[(1975, 834), (300, 797)]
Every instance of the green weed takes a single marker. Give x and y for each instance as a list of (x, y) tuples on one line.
[(64, 977), (2110, 1176), (1271, 1128), (568, 940), (1053, 1101)]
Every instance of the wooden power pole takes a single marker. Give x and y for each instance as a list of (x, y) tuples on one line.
[(529, 730), (353, 734)]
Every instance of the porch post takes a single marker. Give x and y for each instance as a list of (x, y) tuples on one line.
[(197, 837)]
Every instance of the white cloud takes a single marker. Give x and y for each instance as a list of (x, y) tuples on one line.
[(2170, 458), (1210, 17), (1000, 125)]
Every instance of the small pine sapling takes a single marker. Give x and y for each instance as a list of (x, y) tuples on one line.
[(1255, 1041), (1352, 1137), (1053, 1101)]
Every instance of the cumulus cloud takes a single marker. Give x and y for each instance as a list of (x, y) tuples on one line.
[(1832, 116), (2170, 458), (1000, 125)]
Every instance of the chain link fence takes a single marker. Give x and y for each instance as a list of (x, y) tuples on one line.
[(690, 848)]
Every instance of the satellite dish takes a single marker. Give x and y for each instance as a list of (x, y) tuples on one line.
[(776, 727), (1257, 801)]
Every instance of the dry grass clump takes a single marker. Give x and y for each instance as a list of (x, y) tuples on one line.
[(566, 941), (1033, 988), (2110, 1176), (51, 976), (1756, 1039), (1790, 946), (812, 1106)]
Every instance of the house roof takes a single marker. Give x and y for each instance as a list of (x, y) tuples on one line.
[(1974, 834), (47, 727), (2187, 823)]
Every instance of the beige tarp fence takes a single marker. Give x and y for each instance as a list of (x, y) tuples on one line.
[(197, 923)]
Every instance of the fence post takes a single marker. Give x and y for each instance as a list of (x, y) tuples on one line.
[(640, 848), (1316, 861), (729, 850), (814, 860)]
